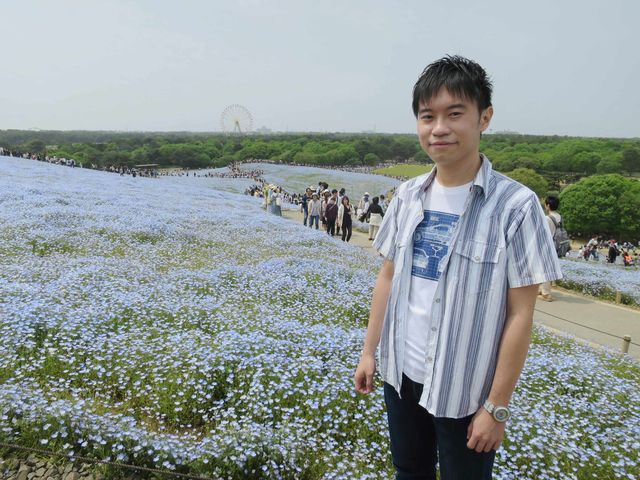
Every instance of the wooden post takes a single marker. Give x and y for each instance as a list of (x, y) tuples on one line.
[(625, 343), (618, 296)]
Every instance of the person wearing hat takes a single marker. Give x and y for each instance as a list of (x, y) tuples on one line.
[(363, 206), (313, 207)]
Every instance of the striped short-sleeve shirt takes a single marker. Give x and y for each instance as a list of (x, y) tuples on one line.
[(501, 241)]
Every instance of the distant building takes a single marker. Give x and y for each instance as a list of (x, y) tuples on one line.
[(264, 130), (506, 132)]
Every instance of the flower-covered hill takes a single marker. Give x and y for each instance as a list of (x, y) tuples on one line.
[(159, 322)]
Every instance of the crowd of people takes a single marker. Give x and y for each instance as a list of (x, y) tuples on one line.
[(593, 250), (334, 211)]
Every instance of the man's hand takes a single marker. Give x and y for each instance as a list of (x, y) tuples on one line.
[(364, 374), (484, 433)]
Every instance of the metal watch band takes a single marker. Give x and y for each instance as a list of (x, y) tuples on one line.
[(499, 413)]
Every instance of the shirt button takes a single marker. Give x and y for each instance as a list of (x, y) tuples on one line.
[(477, 258), (434, 328), (437, 300), (430, 359)]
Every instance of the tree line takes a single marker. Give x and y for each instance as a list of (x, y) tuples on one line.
[(560, 160), (588, 172)]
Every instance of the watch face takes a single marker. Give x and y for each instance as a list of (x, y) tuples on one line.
[(501, 414)]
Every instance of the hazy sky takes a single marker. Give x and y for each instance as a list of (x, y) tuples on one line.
[(559, 67)]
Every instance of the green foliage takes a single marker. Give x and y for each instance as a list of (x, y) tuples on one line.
[(550, 156), (631, 160), (371, 159), (585, 162), (421, 157), (36, 146), (608, 204), (609, 165), (529, 178)]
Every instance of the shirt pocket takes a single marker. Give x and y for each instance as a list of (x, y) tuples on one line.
[(477, 265)]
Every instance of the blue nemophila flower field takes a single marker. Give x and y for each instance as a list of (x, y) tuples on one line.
[(161, 322), (602, 280)]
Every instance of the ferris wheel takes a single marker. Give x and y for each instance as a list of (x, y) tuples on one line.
[(236, 120)]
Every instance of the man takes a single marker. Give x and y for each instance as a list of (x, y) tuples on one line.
[(313, 207), (363, 207), (384, 204), (551, 204), (453, 304), (304, 208), (592, 248)]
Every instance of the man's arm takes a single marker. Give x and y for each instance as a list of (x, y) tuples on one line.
[(484, 432), (367, 366)]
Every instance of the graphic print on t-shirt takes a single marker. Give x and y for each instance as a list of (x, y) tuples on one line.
[(431, 243)]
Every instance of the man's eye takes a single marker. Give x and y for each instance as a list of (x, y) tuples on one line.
[(455, 114), (427, 117)]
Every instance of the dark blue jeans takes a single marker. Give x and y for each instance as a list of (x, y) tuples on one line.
[(312, 218), (417, 437)]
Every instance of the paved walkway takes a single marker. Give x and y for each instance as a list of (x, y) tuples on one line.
[(597, 322)]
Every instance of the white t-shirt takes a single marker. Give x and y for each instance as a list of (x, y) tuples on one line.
[(442, 209)]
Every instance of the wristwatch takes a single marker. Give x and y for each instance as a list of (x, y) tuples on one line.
[(500, 414)]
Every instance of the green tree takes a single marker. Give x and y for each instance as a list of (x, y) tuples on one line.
[(371, 159), (36, 146), (631, 160), (585, 162), (421, 157), (403, 148), (529, 178), (608, 204), (528, 162), (503, 164), (611, 164)]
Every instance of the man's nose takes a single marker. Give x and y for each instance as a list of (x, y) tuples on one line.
[(440, 128)]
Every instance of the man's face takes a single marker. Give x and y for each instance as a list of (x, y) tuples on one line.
[(308, 192), (449, 128)]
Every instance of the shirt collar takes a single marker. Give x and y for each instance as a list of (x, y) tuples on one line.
[(481, 179)]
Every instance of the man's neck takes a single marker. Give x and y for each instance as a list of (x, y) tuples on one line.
[(459, 173)]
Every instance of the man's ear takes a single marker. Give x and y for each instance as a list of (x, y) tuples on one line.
[(485, 118)]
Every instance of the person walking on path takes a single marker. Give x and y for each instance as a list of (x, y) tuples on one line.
[(592, 248), (375, 217), (269, 199), (345, 221), (453, 305), (551, 203), (305, 204), (384, 204), (277, 202), (613, 251), (331, 213), (313, 207), (341, 194), (363, 207), (326, 195)]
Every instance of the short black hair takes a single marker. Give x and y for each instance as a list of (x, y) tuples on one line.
[(375, 200), (334, 191), (553, 201), (461, 77)]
